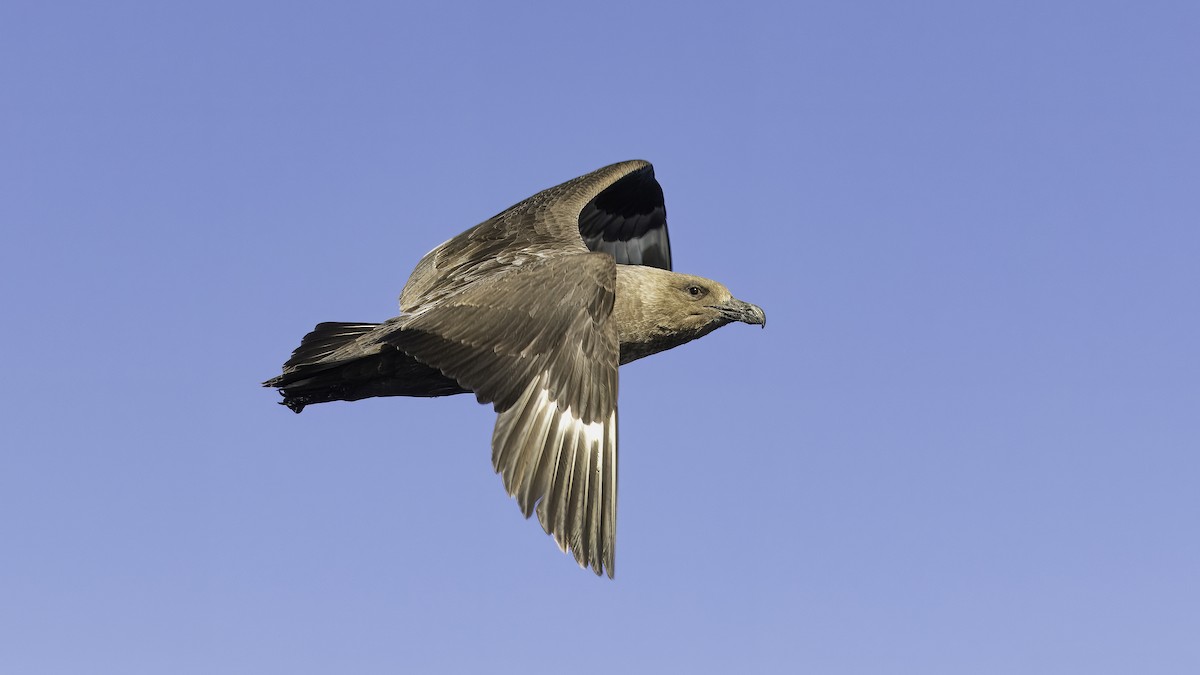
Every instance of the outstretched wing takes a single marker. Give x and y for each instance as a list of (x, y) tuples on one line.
[(616, 210), (537, 342)]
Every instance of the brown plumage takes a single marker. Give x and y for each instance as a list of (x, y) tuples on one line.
[(533, 310)]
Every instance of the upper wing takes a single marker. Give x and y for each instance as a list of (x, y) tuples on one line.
[(617, 210), (629, 221), (536, 340)]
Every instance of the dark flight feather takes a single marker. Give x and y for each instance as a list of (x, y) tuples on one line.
[(628, 220)]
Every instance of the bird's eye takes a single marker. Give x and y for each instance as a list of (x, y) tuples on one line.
[(695, 291)]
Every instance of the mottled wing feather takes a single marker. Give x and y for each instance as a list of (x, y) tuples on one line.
[(617, 209), (537, 342)]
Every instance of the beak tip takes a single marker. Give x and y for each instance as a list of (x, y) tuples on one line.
[(753, 314), (738, 310)]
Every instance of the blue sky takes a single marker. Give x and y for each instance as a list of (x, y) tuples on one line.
[(967, 441)]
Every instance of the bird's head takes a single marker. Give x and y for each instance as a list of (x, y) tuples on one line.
[(701, 302), (657, 309)]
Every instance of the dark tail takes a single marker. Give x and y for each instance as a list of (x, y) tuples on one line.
[(311, 376)]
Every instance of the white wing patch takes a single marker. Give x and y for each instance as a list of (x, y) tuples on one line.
[(549, 457)]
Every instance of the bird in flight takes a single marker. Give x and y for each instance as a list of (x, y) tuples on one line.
[(533, 310)]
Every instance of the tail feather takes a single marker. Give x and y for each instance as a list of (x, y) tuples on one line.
[(310, 376), (325, 339)]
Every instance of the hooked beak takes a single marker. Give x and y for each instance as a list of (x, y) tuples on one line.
[(736, 310)]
